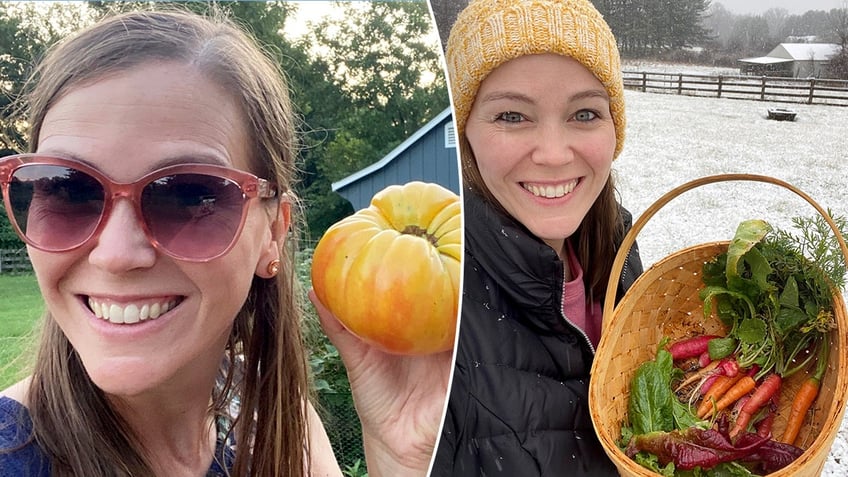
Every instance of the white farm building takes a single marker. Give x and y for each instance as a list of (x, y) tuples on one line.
[(796, 60)]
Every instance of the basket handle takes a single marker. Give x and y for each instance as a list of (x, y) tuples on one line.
[(630, 238)]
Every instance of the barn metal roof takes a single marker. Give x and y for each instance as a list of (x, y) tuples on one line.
[(804, 51), (388, 158), (764, 60)]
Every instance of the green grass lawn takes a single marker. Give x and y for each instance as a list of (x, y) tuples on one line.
[(20, 307)]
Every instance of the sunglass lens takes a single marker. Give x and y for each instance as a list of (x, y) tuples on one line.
[(55, 207), (194, 216)]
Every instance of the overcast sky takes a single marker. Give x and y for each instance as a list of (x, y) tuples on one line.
[(793, 6)]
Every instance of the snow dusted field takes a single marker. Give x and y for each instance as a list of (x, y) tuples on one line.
[(673, 139), (654, 67)]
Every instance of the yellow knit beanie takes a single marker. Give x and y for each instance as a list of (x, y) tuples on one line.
[(488, 33)]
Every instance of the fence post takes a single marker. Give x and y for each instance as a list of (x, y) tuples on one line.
[(644, 81), (763, 90), (680, 83), (720, 79), (812, 89)]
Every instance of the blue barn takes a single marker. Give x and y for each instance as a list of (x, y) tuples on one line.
[(429, 155)]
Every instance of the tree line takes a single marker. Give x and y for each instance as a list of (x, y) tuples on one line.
[(705, 32), (644, 26), (362, 81)]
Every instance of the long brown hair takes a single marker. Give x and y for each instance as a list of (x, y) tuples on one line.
[(596, 238), (265, 368)]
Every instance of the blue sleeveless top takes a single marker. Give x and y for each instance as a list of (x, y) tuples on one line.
[(21, 456)]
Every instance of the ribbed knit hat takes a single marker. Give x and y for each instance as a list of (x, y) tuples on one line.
[(488, 33)]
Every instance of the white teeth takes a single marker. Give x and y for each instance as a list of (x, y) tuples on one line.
[(116, 314), (550, 191), (131, 313)]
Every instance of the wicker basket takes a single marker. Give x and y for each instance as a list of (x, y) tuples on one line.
[(664, 302)]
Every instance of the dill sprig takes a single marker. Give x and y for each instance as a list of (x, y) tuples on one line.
[(815, 241)]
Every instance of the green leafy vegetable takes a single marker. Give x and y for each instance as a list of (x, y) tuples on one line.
[(651, 400), (776, 301)]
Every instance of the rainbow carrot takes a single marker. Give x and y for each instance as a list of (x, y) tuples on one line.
[(769, 387)]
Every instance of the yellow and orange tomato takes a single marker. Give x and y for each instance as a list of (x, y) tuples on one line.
[(390, 272)]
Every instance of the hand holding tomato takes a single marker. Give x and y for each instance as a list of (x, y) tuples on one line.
[(390, 272), (399, 399)]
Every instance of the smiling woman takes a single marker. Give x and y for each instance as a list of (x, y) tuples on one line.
[(539, 112), (156, 203)]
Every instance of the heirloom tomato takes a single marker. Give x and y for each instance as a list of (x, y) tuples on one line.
[(390, 272)]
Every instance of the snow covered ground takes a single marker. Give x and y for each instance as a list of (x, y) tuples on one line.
[(673, 139), (657, 67)]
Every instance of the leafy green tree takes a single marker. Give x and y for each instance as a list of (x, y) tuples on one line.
[(384, 62), (8, 238), (24, 36)]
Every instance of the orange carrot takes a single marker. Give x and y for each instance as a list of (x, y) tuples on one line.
[(718, 388), (741, 387), (768, 388), (804, 397), (800, 405)]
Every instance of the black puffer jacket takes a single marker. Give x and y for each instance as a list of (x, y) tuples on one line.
[(518, 405)]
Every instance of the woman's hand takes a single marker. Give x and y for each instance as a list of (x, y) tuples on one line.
[(399, 399)]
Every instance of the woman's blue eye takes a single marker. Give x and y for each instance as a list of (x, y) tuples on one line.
[(510, 117), (585, 115)]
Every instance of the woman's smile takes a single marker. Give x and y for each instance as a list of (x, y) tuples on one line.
[(131, 312), (550, 190)]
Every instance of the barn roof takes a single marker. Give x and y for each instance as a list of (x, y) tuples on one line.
[(764, 60), (804, 51), (397, 151)]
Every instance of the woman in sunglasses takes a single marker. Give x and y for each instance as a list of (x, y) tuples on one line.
[(156, 206)]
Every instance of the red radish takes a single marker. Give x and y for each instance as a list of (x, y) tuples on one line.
[(704, 359), (729, 366), (708, 383), (706, 372), (690, 347)]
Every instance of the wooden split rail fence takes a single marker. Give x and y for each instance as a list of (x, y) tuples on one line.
[(14, 262), (759, 88)]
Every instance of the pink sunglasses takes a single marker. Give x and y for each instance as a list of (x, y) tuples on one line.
[(192, 212)]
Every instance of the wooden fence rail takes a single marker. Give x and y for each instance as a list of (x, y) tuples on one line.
[(14, 261), (759, 88)]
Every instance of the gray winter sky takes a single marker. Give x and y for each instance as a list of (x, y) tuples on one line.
[(796, 7)]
